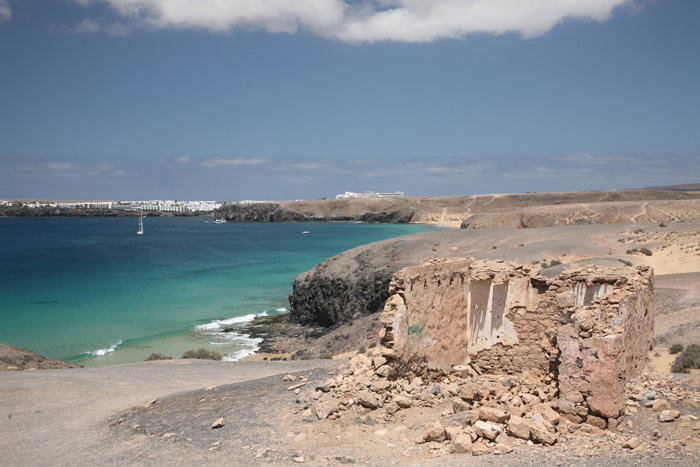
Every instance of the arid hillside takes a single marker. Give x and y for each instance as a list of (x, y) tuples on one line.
[(525, 210)]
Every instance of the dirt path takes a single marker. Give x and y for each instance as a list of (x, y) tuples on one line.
[(60, 417), (642, 211)]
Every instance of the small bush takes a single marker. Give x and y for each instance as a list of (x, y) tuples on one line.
[(625, 262), (689, 359), (639, 231), (372, 345), (632, 251), (676, 348), (554, 262), (645, 251), (494, 247), (663, 224), (203, 354), (362, 350), (326, 356), (157, 356)]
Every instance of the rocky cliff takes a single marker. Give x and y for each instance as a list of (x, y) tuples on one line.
[(285, 212), (344, 287)]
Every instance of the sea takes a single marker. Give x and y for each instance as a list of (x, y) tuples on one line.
[(93, 292)]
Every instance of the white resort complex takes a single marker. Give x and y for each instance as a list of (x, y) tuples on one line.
[(152, 205), (368, 194)]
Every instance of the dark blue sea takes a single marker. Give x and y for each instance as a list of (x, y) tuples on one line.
[(89, 290)]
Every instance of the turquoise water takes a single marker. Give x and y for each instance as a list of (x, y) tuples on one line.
[(92, 291)]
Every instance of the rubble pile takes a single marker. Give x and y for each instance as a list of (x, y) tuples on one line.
[(493, 414)]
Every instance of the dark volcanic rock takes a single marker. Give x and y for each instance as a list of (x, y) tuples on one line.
[(259, 212), (278, 212), (352, 284), (402, 216)]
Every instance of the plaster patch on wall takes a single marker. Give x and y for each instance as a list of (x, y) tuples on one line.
[(488, 324)]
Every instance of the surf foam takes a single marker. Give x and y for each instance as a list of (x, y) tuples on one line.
[(218, 323), (106, 350)]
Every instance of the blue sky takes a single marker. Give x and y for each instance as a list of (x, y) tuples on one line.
[(224, 100)]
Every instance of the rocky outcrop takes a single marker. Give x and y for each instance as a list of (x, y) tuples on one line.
[(258, 212), (278, 212), (346, 286), (19, 358)]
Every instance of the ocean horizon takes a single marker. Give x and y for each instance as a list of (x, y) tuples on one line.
[(92, 291)]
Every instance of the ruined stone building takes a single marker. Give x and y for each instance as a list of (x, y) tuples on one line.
[(588, 329)]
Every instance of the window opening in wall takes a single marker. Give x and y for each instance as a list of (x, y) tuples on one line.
[(586, 294)]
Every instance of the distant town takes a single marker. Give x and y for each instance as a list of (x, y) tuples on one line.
[(152, 205), (168, 205)]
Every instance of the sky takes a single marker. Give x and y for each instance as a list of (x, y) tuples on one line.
[(302, 99)]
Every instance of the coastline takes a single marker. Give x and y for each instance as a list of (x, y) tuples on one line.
[(167, 292)]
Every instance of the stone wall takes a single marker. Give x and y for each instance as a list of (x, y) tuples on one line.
[(589, 328)]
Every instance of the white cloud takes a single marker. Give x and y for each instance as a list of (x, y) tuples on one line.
[(5, 11), (429, 20), (224, 15), (224, 161), (365, 21)]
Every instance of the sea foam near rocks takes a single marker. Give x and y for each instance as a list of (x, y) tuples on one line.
[(219, 323), (249, 345)]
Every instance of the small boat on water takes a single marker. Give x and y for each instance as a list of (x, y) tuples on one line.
[(140, 231), (219, 221), (306, 232)]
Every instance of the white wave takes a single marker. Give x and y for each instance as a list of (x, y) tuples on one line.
[(281, 310), (218, 323), (106, 350), (240, 354)]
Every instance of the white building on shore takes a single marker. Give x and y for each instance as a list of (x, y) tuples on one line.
[(152, 205), (368, 194)]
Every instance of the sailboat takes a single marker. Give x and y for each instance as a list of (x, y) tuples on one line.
[(140, 232)]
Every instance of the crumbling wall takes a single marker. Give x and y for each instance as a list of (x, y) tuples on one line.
[(589, 328), (424, 335), (489, 314), (605, 340)]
